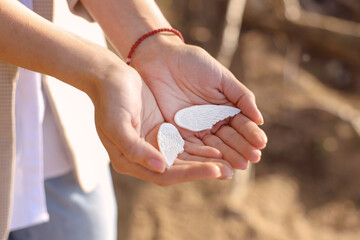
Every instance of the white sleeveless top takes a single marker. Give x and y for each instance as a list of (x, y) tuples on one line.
[(29, 204)]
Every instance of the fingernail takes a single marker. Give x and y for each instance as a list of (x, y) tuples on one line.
[(218, 172), (156, 165), (228, 174), (219, 154), (261, 117), (244, 165), (264, 136), (256, 157)]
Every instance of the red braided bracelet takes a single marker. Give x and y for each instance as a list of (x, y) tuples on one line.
[(145, 36)]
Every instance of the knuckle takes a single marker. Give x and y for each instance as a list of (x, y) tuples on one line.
[(132, 151), (206, 137), (119, 165), (227, 135), (184, 156), (251, 95), (229, 138), (211, 140)]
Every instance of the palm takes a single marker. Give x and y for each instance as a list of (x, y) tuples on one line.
[(192, 79)]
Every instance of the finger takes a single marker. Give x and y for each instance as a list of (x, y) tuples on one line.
[(201, 150), (193, 139), (234, 158), (225, 167), (219, 124), (237, 142), (118, 161), (241, 97), (249, 130), (190, 171), (136, 149)]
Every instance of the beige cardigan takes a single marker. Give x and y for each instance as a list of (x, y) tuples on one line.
[(72, 108)]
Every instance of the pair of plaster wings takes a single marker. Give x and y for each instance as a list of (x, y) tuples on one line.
[(195, 118)]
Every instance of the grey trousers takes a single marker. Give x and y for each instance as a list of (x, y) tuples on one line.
[(75, 215)]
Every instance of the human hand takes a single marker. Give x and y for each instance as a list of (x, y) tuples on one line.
[(181, 75), (128, 118)]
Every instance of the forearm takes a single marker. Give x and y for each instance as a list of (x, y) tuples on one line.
[(29, 41), (124, 21)]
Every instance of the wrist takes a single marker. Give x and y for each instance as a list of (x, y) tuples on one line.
[(103, 69), (155, 47)]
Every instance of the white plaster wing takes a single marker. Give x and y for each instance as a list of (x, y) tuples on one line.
[(170, 142), (201, 117)]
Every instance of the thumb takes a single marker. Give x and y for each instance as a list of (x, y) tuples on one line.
[(241, 97), (136, 149)]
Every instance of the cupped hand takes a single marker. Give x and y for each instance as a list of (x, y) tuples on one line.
[(181, 75), (127, 119)]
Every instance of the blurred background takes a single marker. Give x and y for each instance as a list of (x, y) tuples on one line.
[(301, 58)]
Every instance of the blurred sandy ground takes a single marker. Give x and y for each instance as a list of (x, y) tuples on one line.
[(307, 184)]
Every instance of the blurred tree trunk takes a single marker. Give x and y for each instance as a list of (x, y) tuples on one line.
[(200, 21), (231, 32), (324, 34)]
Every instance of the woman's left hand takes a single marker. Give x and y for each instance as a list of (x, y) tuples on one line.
[(181, 75)]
